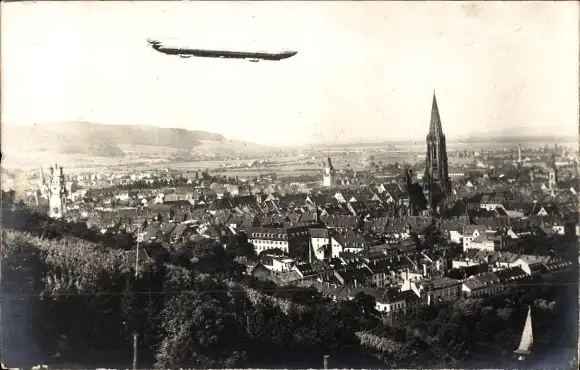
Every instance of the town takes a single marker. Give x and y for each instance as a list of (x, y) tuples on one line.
[(505, 220)]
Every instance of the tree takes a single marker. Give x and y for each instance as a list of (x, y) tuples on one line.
[(247, 250), (208, 256), (366, 302)]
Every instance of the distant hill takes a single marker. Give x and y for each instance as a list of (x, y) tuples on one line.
[(478, 138), (116, 141)]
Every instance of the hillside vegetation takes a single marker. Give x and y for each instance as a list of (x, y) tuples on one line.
[(192, 307)]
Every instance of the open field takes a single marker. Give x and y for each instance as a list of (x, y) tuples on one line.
[(311, 161)]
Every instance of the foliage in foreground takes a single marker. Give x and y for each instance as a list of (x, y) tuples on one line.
[(197, 311)]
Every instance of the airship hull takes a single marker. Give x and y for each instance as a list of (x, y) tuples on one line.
[(217, 53)]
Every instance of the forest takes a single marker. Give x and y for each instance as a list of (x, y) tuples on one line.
[(192, 306)]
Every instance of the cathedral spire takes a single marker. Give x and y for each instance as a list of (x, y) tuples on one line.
[(436, 179), (435, 125)]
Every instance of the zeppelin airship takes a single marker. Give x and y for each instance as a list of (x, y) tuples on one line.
[(182, 50)]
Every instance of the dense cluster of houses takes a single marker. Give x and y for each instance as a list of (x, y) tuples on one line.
[(344, 241), (400, 280)]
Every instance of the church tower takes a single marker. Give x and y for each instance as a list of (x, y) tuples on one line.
[(553, 174), (57, 192), (328, 179), (436, 180)]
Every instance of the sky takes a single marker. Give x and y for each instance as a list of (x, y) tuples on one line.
[(364, 70)]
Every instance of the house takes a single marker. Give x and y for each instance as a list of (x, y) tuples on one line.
[(316, 269), (464, 269), (409, 276), (342, 223), (510, 277), (387, 301), (485, 283), (355, 277), (381, 273), (268, 238), (505, 260), (441, 289), (487, 201), (357, 242), (489, 240), (282, 264), (471, 232), (261, 272), (454, 228), (333, 291), (337, 244), (321, 243), (532, 265)]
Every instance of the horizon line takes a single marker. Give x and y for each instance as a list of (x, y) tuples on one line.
[(362, 141)]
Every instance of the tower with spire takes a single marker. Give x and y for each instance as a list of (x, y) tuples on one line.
[(57, 192), (436, 180), (553, 174), (328, 179)]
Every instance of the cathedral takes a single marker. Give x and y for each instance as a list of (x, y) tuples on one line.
[(436, 183)]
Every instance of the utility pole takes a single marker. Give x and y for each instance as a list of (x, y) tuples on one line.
[(136, 273), (135, 351), (137, 251)]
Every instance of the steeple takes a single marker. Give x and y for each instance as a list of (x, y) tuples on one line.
[(436, 179), (328, 179), (435, 128), (553, 174), (330, 164)]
